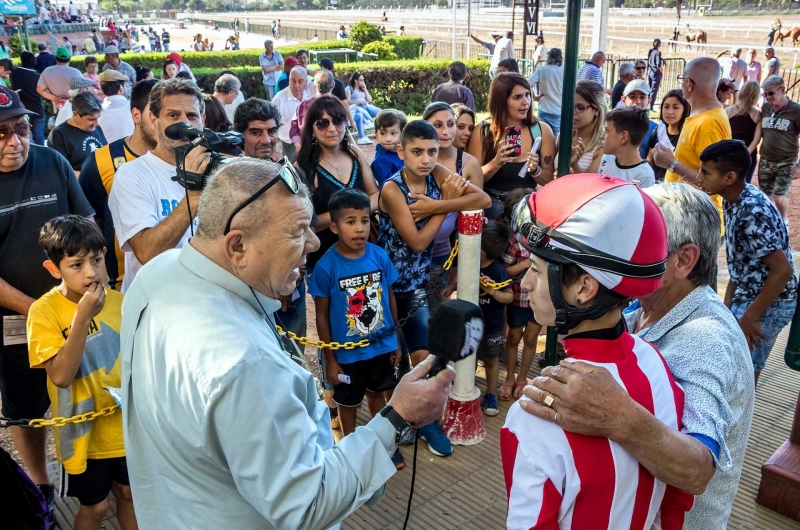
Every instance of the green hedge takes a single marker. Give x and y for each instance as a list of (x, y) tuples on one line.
[(405, 47), (403, 85)]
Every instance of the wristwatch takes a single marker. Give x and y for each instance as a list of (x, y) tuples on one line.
[(671, 167), (405, 431)]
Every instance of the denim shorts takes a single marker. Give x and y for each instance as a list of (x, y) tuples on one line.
[(518, 317), (437, 282), (416, 329), (772, 322)]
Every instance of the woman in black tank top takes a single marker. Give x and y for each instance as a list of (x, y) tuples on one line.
[(745, 121), (510, 105)]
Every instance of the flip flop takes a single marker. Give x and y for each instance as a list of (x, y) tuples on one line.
[(518, 386), (502, 395)]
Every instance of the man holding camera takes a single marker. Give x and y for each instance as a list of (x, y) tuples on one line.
[(151, 212)]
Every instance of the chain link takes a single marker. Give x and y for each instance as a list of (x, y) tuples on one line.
[(453, 254), (497, 286), (59, 422), (363, 343)]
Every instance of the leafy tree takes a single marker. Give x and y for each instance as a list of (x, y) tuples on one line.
[(362, 33)]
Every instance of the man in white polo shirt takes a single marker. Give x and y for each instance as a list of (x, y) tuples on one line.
[(151, 212), (287, 101)]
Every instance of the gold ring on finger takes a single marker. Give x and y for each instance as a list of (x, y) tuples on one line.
[(549, 399)]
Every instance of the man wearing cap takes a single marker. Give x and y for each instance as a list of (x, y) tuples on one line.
[(45, 59), (98, 171), (79, 136), (637, 93), (89, 45), (77, 85), (115, 120), (36, 184), (54, 82), (540, 53), (283, 80), (287, 101), (271, 63), (113, 62)]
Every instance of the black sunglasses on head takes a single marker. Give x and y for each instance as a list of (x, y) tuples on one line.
[(287, 174)]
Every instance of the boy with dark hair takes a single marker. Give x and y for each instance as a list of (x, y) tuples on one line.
[(73, 333), (352, 290), (626, 128), (406, 232), (762, 289), (389, 124), (492, 301)]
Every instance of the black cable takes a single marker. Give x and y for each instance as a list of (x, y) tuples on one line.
[(191, 224), (413, 477)]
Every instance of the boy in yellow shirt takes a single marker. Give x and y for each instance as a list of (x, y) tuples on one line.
[(73, 333)]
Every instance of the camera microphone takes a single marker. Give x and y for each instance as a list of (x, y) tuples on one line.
[(454, 333), (182, 131)]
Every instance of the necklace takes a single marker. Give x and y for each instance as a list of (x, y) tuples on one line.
[(334, 166), (408, 183)]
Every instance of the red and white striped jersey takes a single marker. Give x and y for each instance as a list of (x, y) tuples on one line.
[(560, 480)]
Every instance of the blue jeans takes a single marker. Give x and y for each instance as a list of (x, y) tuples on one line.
[(416, 329), (294, 319), (270, 90), (358, 118), (370, 109), (553, 120), (772, 322), (37, 130)]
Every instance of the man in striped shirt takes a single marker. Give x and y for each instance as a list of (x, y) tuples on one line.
[(599, 241), (593, 70)]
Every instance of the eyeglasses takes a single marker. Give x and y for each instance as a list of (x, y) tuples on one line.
[(682, 78), (323, 123), (582, 108), (287, 174), (640, 68), (770, 93), (22, 129)]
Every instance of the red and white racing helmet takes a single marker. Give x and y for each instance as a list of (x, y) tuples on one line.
[(605, 225)]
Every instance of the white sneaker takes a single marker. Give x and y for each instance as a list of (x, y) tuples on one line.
[(364, 141)]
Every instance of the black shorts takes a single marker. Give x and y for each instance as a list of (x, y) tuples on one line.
[(23, 389), (93, 485), (492, 345), (519, 317), (376, 375)]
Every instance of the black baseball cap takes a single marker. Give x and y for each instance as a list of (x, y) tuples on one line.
[(10, 105)]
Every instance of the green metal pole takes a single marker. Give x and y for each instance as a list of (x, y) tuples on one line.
[(571, 53), (792, 353)]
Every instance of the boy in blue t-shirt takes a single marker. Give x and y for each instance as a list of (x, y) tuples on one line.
[(389, 124), (352, 290), (492, 301)]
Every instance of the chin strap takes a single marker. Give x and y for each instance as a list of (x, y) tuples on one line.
[(567, 316)]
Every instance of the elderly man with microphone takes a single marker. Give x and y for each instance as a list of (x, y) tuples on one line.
[(223, 428)]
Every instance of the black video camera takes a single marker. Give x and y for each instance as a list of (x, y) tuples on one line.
[(216, 144)]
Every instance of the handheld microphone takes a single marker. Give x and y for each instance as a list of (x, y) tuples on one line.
[(182, 131), (454, 333)]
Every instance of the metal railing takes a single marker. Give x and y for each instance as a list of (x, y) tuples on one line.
[(56, 29)]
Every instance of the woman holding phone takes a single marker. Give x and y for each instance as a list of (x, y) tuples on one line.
[(504, 145)]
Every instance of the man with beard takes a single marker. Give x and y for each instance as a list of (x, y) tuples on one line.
[(97, 173), (151, 212)]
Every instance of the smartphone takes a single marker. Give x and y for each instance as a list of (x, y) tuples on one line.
[(514, 137)]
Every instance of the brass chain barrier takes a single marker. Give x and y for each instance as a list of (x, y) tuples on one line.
[(453, 254), (59, 422)]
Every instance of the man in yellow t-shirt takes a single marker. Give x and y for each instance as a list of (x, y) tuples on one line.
[(73, 333), (706, 125)]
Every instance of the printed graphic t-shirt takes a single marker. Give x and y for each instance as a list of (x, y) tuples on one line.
[(49, 323), (359, 300), (142, 195), (76, 144)]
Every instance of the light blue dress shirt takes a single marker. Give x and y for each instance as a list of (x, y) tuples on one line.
[(222, 429)]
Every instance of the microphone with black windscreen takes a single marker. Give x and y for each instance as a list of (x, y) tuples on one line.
[(182, 131), (454, 332)]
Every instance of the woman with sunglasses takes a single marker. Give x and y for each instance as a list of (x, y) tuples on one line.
[(725, 91), (588, 124), (745, 121), (640, 69), (504, 144), (328, 163)]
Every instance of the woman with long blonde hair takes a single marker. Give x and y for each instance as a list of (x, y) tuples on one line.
[(745, 121), (588, 123), (508, 165)]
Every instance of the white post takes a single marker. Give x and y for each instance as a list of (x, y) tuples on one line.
[(463, 418), (600, 26), (469, 28)]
